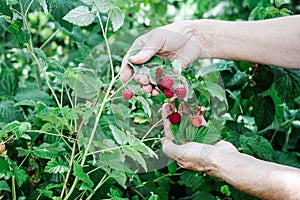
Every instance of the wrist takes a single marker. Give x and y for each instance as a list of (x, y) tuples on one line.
[(203, 37)]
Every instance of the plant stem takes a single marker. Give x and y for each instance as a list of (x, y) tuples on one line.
[(13, 185), (106, 42), (102, 181), (26, 25), (74, 150), (49, 39)]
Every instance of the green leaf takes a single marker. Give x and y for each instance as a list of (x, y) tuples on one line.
[(263, 111), (9, 112), (4, 186), (117, 18), (119, 176), (4, 169), (58, 9), (18, 128), (119, 136), (287, 83), (79, 173), (191, 179), (216, 90), (256, 145), (16, 30), (44, 6), (103, 6), (8, 83), (35, 95), (46, 193), (56, 167), (145, 105), (213, 134), (80, 16), (20, 175), (4, 9), (135, 155)]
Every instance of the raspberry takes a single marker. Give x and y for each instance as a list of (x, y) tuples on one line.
[(167, 82), (180, 92), (127, 94), (168, 93), (30, 172), (197, 122), (175, 118), (159, 72)]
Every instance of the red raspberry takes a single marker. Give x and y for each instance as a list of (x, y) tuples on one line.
[(168, 93), (197, 122), (30, 172), (175, 118), (127, 94), (167, 82), (159, 72), (180, 92)]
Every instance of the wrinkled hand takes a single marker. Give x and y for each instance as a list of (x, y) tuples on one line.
[(192, 155), (173, 41)]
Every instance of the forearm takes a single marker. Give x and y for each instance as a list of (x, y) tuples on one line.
[(259, 178), (274, 42)]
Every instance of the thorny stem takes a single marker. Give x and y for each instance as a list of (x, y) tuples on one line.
[(26, 25), (74, 148), (106, 42)]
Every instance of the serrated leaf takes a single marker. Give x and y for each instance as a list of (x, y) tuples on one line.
[(4, 9), (287, 83), (56, 167), (4, 169), (135, 155), (8, 83), (145, 105), (79, 173), (44, 153), (23, 152), (217, 91), (103, 6), (16, 30), (9, 112), (80, 16), (46, 193), (34, 95), (120, 177), (20, 175), (117, 18), (119, 135), (44, 6), (4, 186), (58, 9), (263, 111)]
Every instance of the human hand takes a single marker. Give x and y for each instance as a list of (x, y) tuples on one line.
[(173, 41), (192, 155)]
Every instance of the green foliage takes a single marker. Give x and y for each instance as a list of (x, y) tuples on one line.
[(61, 110)]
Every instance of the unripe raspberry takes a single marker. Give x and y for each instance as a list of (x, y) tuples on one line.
[(127, 94), (169, 93), (197, 122), (175, 118), (167, 82), (159, 72), (180, 92)]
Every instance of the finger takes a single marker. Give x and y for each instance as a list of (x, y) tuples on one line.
[(126, 73), (184, 108), (166, 109), (147, 88), (151, 42), (155, 92), (141, 79)]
